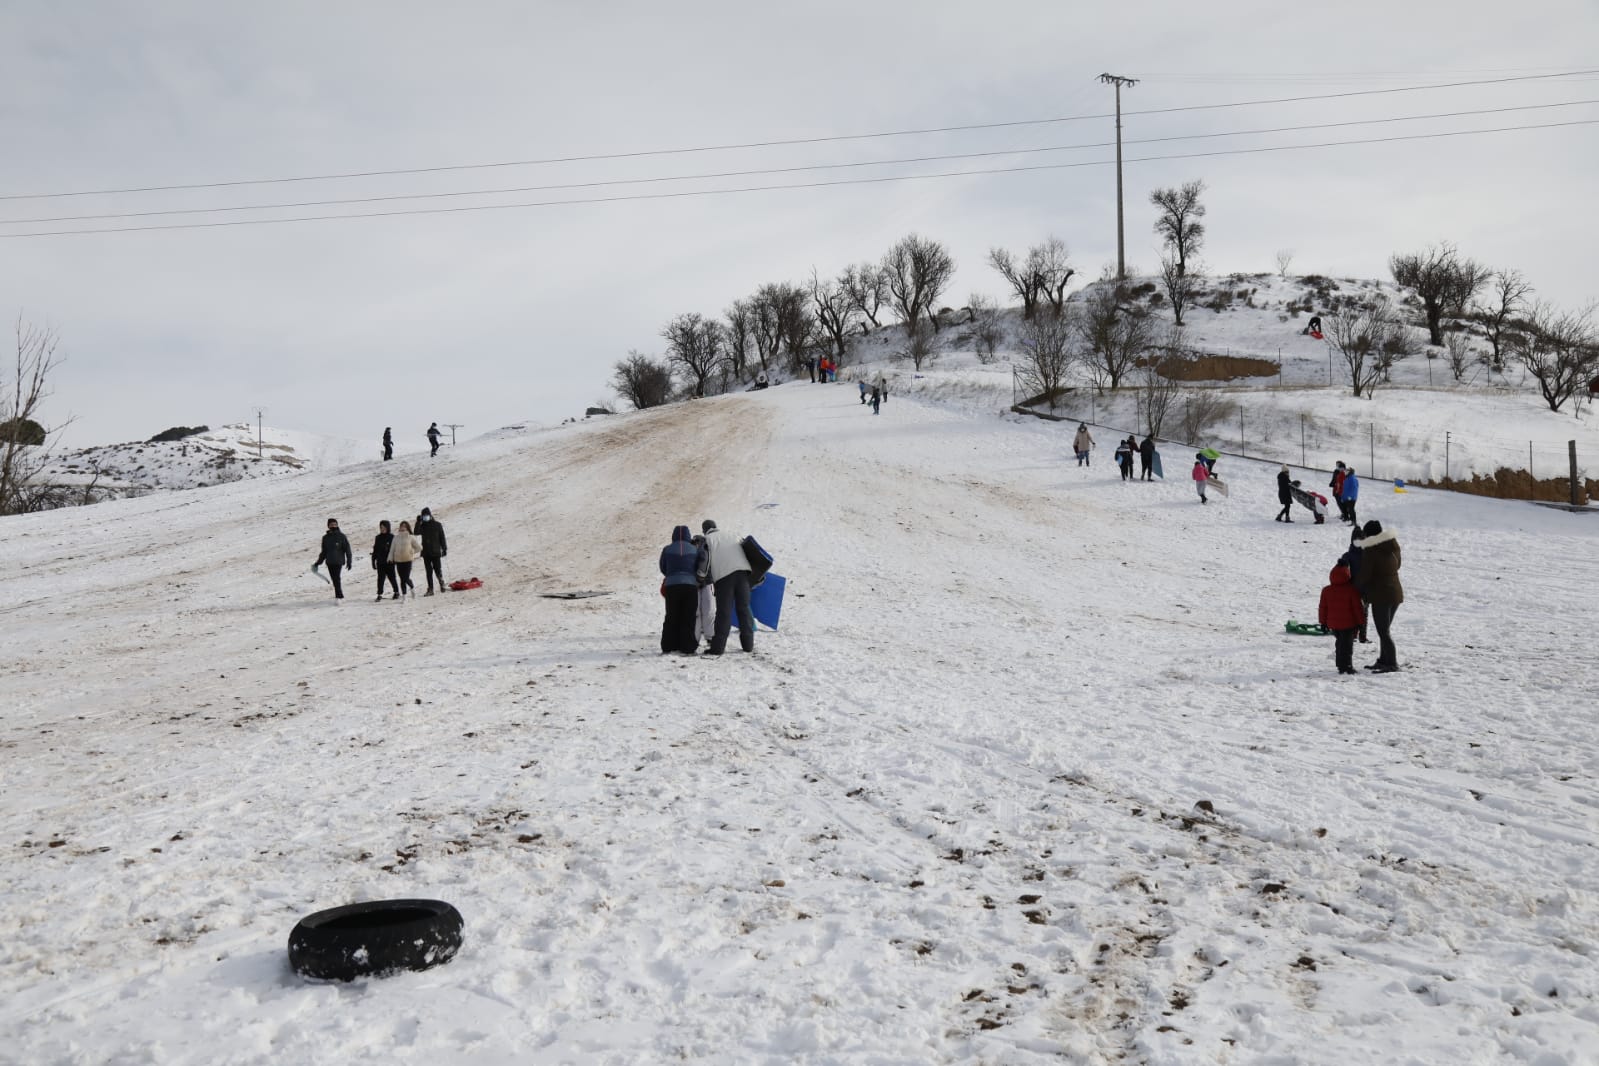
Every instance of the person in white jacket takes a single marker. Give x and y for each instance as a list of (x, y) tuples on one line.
[(730, 576), (402, 553)]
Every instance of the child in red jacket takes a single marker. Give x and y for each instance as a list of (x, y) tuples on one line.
[(1342, 612)]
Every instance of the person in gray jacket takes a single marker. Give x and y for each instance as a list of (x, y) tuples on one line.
[(730, 575)]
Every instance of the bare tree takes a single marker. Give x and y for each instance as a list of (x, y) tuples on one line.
[(737, 336), (1051, 263), (1507, 298), (834, 309), (917, 270), (642, 381), (1560, 350), (1178, 222), (867, 289), (1444, 281), (1048, 351), (1365, 336), (1461, 355), (23, 454), (1024, 282), (1113, 337), (919, 347), (1201, 409), (986, 331), (694, 345), (1285, 259), (1181, 286), (1161, 381)]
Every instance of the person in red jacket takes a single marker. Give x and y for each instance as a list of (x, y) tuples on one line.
[(1342, 612)]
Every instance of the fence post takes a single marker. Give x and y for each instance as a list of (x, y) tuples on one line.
[(1301, 440), (1576, 495), (1371, 468), (1532, 481), (1446, 458), (1241, 450)]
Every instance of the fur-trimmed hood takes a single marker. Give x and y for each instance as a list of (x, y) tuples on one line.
[(1380, 538)]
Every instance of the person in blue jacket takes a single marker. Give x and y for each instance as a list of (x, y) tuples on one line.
[(1347, 495), (681, 561)]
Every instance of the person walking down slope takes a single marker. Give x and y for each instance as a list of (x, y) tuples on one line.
[(1348, 494), (680, 561), (388, 443), (380, 561), (433, 439), (1379, 586), (402, 553), (1342, 612), (1285, 494), (434, 548), (336, 553), (1201, 476), (1124, 458), (730, 574), (1082, 443), (1146, 459)]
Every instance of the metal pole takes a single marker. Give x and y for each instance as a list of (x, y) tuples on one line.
[(1329, 366), (452, 427), (1279, 366), (1302, 440), (1532, 481), (1121, 244), (1371, 468), (1240, 429), (1446, 456), (1576, 491)]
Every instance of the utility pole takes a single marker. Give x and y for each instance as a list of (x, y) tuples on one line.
[(1121, 239), (452, 427), (259, 411)]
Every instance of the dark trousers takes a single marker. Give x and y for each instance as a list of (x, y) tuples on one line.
[(733, 591), (435, 442), (432, 566), (386, 573), (1146, 471), (1344, 650), (682, 611), (404, 570), (335, 574), (388, 452), (1285, 514), (1382, 615)]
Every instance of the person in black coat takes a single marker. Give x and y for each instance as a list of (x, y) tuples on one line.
[(433, 438), (1351, 559), (1285, 494), (1146, 459), (388, 443), (336, 553), (434, 548), (380, 560)]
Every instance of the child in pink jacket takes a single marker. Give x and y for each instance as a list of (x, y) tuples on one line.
[(1201, 475)]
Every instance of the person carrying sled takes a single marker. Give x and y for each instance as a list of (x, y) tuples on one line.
[(1146, 459), (1082, 443), (402, 553), (1124, 457), (1342, 612), (730, 574), (434, 549), (381, 544), (680, 562), (1201, 475), (1285, 494), (1378, 581), (433, 439), (336, 553), (1210, 455), (1348, 493), (388, 443)]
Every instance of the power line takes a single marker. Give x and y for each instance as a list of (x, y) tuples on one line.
[(505, 190), (775, 143), (788, 187)]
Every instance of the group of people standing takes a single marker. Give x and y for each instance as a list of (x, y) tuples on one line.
[(1346, 490), (1366, 577), (702, 573), (875, 394), (1127, 449), (393, 554), (433, 436)]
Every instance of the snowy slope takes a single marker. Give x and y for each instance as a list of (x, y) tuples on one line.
[(1031, 773), (217, 456)]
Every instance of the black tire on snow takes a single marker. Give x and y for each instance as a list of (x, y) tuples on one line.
[(375, 938)]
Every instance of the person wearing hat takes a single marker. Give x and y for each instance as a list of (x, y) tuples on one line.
[(1285, 494), (1377, 579), (1082, 442), (730, 574), (1201, 475), (434, 548)]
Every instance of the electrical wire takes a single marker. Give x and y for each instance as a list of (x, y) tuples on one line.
[(835, 138), (787, 187), (777, 170)]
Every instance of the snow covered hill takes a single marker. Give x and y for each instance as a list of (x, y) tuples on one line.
[(1030, 774), (214, 457)]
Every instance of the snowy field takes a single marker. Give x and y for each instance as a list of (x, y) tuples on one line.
[(1030, 774)]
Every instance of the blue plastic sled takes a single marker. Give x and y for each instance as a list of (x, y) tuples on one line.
[(766, 602), (1154, 464)]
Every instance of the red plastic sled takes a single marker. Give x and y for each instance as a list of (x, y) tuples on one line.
[(462, 586)]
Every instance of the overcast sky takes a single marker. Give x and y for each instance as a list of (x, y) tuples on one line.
[(494, 317)]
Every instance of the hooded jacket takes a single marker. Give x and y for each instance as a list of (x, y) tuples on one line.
[(1378, 577), (432, 534), (1083, 440), (1201, 471), (380, 549), (1340, 603), (1350, 489), (680, 560)]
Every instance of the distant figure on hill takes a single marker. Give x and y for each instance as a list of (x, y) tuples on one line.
[(336, 553), (1285, 496), (877, 400), (433, 438), (434, 548), (402, 553), (388, 443), (730, 573), (882, 386), (1124, 457), (680, 563), (381, 545), (1146, 459), (862, 384), (813, 369), (1348, 494), (1082, 443), (1201, 475), (760, 380)]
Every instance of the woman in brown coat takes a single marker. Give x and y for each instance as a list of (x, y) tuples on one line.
[(1378, 582)]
